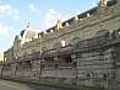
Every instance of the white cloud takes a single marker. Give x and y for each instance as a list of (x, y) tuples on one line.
[(33, 8), (53, 15), (93, 4), (16, 17), (7, 9), (3, 29), (51, 18)]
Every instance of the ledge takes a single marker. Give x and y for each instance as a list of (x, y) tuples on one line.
[(45, 82)]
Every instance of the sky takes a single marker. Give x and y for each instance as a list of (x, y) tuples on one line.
[(41, 14)]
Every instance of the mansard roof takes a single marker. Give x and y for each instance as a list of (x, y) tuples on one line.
[(22, 33), (84, 14), (28, 32)]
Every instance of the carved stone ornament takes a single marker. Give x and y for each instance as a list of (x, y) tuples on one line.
[(59, 25), (103, 3)]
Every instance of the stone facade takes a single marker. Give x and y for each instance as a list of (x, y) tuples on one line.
[(82, 50)]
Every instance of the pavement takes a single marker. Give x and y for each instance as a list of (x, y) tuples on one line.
[(9, 85)]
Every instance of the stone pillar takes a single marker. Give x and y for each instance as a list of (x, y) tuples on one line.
[(56, 66), (40, 68)]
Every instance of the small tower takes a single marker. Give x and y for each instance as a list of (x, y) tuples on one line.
[(28, 34)]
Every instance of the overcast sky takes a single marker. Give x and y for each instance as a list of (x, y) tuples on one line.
[(42, 14)]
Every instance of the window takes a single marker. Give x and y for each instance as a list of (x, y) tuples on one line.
[(63, 43)]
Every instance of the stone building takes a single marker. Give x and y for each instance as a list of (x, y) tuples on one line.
[(8, 55), (82, 50), (1, 56)]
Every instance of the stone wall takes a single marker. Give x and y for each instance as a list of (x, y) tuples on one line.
[(90, 57), (94, 61)]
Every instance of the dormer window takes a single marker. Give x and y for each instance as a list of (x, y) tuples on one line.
[(51, 31), (88, 14), (45, 32), (76, 18), (67, 24)]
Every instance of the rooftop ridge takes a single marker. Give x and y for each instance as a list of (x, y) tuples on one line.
[(83, 15)]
